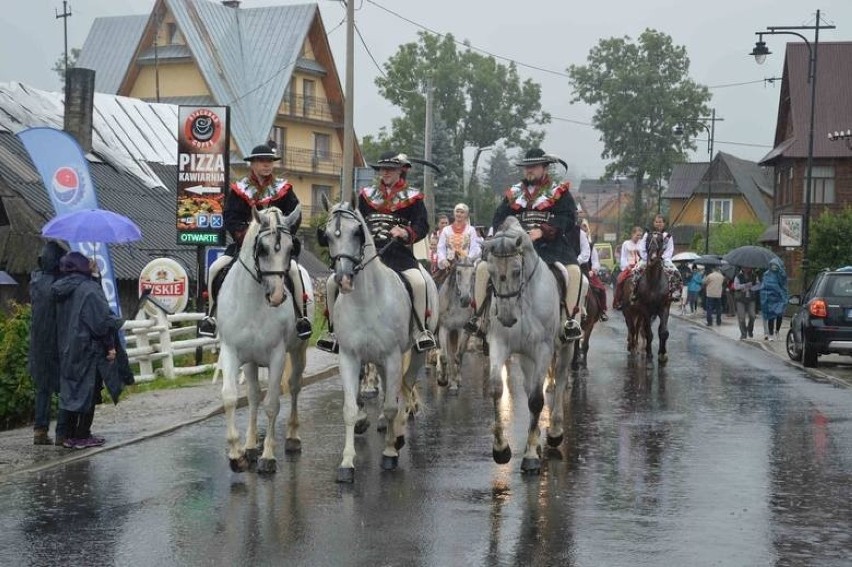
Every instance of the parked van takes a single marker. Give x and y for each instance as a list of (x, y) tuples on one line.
[(605, 255)]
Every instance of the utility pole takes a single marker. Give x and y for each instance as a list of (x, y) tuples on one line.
[(66, 13), (348, 105), (157, 58), (428, 181)]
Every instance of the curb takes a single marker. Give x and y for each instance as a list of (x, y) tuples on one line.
[(242, 401), (813, 374)]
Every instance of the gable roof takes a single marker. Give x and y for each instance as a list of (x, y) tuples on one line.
[(245, 55), (753, 182), (684, 179), (832, 108)]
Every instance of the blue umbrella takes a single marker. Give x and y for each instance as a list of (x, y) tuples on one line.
[(92, 225)]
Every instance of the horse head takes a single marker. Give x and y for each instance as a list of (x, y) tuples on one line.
[(463, 277), (655, 246), (508, 255), (346, 234), (271, 238)]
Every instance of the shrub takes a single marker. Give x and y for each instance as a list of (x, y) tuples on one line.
[(17, 395)]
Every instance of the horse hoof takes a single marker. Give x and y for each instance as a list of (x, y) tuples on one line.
[(239, 465), (555, 441), (442, 380), (454, 390), (370, 393), (399, 443), (664, 358), (503, 456), (389, 463), (346, 475), (292, 445), (252, 455), (361, 426), (267, 466), (382, 424), (531, 466)]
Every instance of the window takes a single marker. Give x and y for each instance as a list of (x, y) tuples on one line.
[(721, 210), (322, 146), (822, 178), (173, 34), (309, 92), (278, 137)]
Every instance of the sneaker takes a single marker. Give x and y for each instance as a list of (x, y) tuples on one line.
[(303, 328), (207, 327), (40, 437), (70, 443), (59, 441), (425, 341), (771, 338), (328, 343), (89, 442)]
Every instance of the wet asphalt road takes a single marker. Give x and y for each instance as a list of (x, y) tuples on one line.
[(725, 457)]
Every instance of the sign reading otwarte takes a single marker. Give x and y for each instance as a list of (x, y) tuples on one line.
[(65, 174), (168, 283), (203, 152)]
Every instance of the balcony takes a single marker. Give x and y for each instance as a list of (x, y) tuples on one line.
[(311, 108), (303, 160)]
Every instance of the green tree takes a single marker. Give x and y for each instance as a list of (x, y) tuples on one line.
[(725, 237), (59, 65), (830, 245), (481, 101), (449, 187), (641, 90)]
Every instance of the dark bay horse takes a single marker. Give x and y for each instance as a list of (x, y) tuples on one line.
[(652, 301), (593, 313)]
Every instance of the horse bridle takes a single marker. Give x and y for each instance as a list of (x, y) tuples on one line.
[(257, 274), (524, 280), (358, 262)]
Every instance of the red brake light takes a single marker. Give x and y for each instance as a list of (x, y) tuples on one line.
[(818, 308)]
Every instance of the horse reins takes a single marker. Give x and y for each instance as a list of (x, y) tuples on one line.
[(258, 274), (524, 280), (358, 262)]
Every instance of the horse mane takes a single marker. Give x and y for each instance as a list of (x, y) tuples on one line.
[(269, 217), (511, 229)]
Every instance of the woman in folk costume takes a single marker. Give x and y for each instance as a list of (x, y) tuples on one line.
[(630, 258), (548, 213), (591, 267), (397, 218), (674, 277), (458, 240), (261, 189)]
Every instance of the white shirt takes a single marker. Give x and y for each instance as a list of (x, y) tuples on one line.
[(630, 254), (585, 249), (596, 261), (667, 253), (474, 247)]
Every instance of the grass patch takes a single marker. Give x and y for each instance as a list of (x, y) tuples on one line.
[(162, 383)]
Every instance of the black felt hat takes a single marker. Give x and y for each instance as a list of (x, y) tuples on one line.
[(536, 156), (262, 152), (393, 160)]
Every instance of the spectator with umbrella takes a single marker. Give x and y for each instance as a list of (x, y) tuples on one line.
[(773, 298), (746, 292)]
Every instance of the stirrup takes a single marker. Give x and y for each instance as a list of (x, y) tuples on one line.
[(328, 343), (425, 341), (207, 327), (571, 331), (603, 316), (304, 328)]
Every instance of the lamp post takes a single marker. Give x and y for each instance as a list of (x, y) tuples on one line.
[(711, 136), (760, 51), (470, 194)]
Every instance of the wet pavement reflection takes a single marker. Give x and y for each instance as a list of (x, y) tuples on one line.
[(725, 456)]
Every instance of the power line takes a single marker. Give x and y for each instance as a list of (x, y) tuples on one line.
[(727, 85), (370, 53)]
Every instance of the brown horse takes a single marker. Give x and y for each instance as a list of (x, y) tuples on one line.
[(593, 313), (652, 301)]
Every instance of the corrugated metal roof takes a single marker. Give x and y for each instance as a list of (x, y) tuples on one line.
[(832, 108), (127, 132), (164, 52), (246, 56), (753, 183), (109, 49), (310, 65)]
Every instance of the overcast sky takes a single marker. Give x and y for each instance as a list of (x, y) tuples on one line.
[(550, 34)]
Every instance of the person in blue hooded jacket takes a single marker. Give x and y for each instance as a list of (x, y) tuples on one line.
[(773, 298), (43, 356), (85, 336)]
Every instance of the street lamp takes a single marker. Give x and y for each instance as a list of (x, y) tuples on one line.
[(841, 135), (760, 52), (711, 136)]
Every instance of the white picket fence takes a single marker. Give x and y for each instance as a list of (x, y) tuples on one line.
[(159, 337)]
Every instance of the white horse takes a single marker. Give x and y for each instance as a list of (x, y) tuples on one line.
[(257, 328), (456, 309), (373, 323), (524, 319)]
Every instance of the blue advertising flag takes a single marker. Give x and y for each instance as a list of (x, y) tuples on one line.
[(65, 174)]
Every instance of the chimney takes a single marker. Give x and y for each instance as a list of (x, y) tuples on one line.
[(231, 3), (79, 104)]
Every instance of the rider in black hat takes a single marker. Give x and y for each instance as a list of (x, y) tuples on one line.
[(259, 189), (397, 218), (548, 213)]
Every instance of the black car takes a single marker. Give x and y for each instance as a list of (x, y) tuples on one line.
[(822, 323)]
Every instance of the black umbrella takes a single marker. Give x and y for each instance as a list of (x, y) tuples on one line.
[(709, 260), (750, 257)]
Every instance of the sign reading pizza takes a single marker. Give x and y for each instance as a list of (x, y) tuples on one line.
[(203, 152), (168, 284)]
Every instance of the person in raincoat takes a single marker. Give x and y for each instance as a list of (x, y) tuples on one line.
[(773, 298), (43, 356), (85, 335)]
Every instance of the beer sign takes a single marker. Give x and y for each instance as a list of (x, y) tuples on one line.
[(203, 153), (169, 285)]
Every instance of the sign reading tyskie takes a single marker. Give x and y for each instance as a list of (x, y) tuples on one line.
[(203, 151), (168, 283)]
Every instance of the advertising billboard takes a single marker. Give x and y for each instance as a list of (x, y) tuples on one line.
[(203, 153)]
